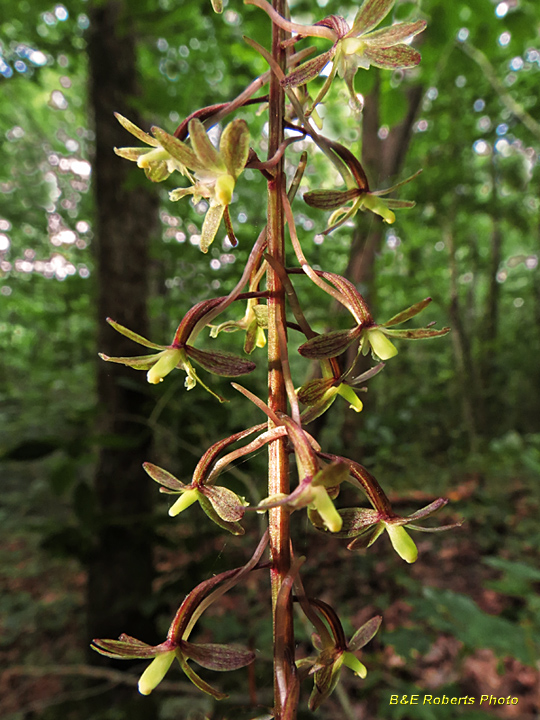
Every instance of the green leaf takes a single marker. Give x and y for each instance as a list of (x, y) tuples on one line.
[(458, 614)]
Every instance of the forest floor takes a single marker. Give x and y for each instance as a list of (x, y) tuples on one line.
[(462, 622)]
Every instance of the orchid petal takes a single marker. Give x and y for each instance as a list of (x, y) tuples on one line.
[(134, 336), (395, 34), (212, 221), (400, 57), (370, 15), (137, 132)]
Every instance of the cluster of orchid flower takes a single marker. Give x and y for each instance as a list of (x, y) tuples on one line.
[(212, 173), (319, 476)]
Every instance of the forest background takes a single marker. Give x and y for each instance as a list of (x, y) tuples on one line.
[(83, 235)]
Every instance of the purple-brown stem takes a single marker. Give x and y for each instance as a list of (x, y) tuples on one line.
[(278, 458)]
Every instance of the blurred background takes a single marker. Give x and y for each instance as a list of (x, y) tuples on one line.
[(86, 546)]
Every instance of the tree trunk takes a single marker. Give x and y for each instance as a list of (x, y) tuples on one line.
[(490, 321), (381, 159), (462, 351), (120, 570)]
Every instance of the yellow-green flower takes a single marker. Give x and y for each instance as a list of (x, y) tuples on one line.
[(360, 196), (213, 172), (223, 506), (367, 525), (178, 355), (314, 492), (359, 46), (333, 649), (254, 323), (320, 393), (372, 337), (213, 656), (156, 162)]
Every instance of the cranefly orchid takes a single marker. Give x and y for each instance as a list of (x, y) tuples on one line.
[(359, 46), (209, 151), (177, 645), (181, 352)]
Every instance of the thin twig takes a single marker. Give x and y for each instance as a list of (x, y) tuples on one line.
[(506, 98)]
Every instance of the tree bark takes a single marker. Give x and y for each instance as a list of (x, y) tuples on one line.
[(489, 327), (466, 376), (381, 159), (120, 569)]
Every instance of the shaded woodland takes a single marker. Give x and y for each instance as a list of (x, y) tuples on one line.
[(84, 236)]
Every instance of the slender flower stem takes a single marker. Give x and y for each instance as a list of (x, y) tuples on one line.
[(313, 275), (278, 459), (225, 461)]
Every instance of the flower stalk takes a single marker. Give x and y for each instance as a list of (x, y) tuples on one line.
[(209, 168), (278, 460)]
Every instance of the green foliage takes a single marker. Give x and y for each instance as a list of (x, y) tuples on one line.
[(467, 190), (451, 612)]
